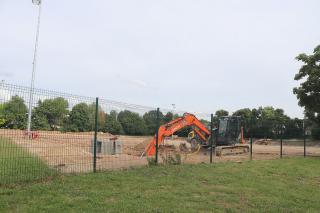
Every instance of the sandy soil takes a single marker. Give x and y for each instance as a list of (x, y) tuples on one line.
[(72, 152)]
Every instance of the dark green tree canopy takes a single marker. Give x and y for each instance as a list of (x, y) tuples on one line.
[(15, 113), (79, 118), (39, 120), (2, 119), (112, 125), (220, 113), (101, 117), (150, 119), (168, 117), (132, 123), (55, 110), (308, 93)]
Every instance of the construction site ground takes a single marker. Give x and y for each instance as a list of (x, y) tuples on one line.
[(72, 152)]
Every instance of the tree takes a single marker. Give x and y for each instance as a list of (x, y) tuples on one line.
[(15, 113), (246, 119), (167, 118), (92, 117), (2, 119), (308, 93), (150, 119), (39, 120), (293, 128), (220, 113), (112, 125), (132, 123), (316, 133), (79, 118), (54, 110)]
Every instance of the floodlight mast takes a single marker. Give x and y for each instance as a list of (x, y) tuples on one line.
[(36, 2)]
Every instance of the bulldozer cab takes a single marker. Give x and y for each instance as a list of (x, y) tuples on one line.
[(229, 130)]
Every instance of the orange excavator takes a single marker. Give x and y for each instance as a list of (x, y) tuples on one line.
[(229, 134)]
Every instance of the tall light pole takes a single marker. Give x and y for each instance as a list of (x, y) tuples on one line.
[(173, 108), (38, 3)]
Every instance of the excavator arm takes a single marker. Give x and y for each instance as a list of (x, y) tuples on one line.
[(174, 126)]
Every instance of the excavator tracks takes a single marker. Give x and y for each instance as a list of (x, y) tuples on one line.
[(232, 150)]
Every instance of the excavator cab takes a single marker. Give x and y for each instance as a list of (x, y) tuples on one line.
[(229, 131)]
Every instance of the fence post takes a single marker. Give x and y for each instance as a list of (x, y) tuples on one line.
[(304, 140), (157, 135), (211, 138), (281, 141), (95, 137), (251, 142)]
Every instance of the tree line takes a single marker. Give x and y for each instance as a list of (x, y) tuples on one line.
[(54, 114)]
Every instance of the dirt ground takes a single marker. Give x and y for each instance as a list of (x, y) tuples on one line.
[(72, 152)]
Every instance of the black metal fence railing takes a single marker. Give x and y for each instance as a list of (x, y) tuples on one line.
[(76, 134)]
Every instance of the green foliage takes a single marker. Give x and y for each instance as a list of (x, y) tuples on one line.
[(54, 110), (150, 119), (78, 120), (167, 117), (39, 120), (308, 93), (316, 133), (51, 114), (112, 125), (266, 122), (220, 113), (246, 116), (293, 128), (101, 117), (14, 113), (2, 119), (132, 123)]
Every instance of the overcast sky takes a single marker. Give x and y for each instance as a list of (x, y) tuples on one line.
[(202, 55)]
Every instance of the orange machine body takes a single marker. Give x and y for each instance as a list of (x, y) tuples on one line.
[(175, 125)]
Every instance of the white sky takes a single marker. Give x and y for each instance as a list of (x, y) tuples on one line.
[(201, 55)]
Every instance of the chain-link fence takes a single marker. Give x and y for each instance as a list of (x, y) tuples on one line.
[(76, 134)]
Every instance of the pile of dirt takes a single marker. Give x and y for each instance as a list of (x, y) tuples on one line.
[(263, 142), (138, 149)]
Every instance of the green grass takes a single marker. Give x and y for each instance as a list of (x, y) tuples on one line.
[(17, 165), (287, 185)]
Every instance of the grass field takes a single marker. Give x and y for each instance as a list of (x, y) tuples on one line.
[(286, 185), (18, 165)]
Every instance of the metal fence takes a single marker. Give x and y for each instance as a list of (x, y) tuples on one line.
[(69, 136)]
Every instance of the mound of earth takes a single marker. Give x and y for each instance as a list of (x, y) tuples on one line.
[(138, 149)]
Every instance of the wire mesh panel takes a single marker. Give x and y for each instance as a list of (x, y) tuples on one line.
[(63, 129), (60, 136), (265, 149)]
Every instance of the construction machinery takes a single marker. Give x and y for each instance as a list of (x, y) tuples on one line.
[(227, 138)]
